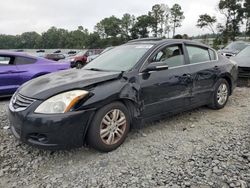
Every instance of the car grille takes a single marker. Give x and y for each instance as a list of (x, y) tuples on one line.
[(244, 71), (21, 102)]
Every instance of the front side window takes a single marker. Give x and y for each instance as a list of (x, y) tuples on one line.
[(171, 55), (198, 54), (4, 60), (121, 58)]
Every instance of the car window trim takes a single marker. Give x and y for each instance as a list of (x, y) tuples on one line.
[(161, 47), (11, 62), (30, 58), (202, 47), (186, 65)]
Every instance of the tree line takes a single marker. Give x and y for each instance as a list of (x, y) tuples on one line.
[(160, 21), (110, 31)]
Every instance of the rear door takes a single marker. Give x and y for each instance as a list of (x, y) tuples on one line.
[(204, 69), (9, 75)]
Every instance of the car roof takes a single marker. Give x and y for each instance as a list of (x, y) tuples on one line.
[(159, 41), (20, 54)]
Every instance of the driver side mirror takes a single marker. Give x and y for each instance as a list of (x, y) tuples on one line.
[(156, 66)]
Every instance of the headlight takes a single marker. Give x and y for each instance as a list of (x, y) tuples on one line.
[(72, 60), (61, 103)]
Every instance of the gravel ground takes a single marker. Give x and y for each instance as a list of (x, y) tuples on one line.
[(200, 149)]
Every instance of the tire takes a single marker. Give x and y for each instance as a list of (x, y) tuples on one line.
[(106, 120), (79, 65), (220, 95)]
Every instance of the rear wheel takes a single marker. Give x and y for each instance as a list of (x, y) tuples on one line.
[(221, 94), (109, 127)]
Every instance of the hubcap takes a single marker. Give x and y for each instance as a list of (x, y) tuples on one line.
[(113, 127), (222, 94)]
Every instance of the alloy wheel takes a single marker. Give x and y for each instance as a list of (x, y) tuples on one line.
[(222, 94), (113, 127)]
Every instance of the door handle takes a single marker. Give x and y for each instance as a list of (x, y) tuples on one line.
[(216, 67)]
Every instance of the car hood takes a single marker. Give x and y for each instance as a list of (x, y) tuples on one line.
[(241, 61), (51, 84), (228, 51)]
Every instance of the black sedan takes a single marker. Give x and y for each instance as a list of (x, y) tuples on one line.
[(243, 62), (142, 80)]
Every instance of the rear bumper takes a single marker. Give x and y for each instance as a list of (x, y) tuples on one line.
[(60, 131)]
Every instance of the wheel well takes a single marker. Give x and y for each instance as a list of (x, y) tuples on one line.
[(132, 109), (130, 105), (229, 81), (134, 112)]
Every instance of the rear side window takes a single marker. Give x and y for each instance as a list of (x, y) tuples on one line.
[(4, 60), (198, 54), (24, 61)]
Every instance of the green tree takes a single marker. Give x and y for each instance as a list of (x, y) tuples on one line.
[(77, 38), (109, 27), (54, 38), (156, 13), (160, 15), (141, 27), (177, 16), (93, 41), (29, 40), (8, 42), (233, 12), (206, 21), (126, 24), (247, 15)]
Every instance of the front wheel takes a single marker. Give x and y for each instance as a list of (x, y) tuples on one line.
[(109, 127), (221, 94), (79, 65)]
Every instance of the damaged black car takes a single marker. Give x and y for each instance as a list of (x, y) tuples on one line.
[(141, 80)]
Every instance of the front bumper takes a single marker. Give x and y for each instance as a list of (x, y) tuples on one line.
[(72, 64), (244, 72), (59, 131)]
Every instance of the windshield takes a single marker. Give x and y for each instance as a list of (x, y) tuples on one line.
[(245, 52), (236, 46), (121, 58), (81, 53)]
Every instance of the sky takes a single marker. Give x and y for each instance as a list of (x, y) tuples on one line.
[(18, 16)]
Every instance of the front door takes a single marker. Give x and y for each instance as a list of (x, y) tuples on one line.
[(9, 76), (168, 90)]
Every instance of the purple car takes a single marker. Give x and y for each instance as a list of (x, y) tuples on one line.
[(18, 68)]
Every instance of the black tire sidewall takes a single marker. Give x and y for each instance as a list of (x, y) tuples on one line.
[(93, 134), (79, 65)]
